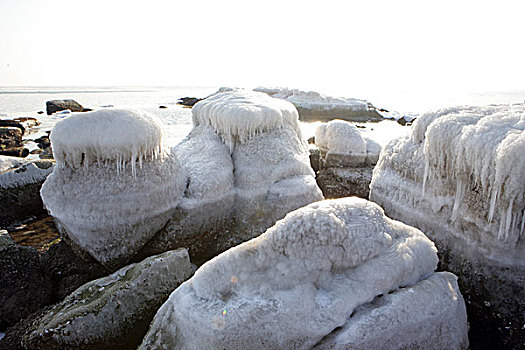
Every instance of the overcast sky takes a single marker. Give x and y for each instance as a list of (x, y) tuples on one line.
[(333, 46)]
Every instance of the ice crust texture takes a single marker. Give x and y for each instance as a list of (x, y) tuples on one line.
[(466, 164), (305, 276), (313, 100), (122, 136), (341, 144), (245, 157)]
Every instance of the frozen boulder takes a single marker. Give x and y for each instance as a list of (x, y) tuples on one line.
[(113, 311), (305, 279), (20, 182), (459, 178), (347, 159), (315, 106), (247, 166), (112, 188)]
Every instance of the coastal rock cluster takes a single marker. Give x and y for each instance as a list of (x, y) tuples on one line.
[(459, 178), (224, 241), (113, 189)]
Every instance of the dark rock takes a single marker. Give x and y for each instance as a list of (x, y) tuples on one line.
[(345, 182), (40, 112), (20, 183), (36, 151), (188, 101), (86, 110), (162, 107), (383, 110), (406, 120), (315, 159), (25, 286), (24, 124), (43, 142), (20, 152), (61, 105), (33, 279), (10, 137), (311, 140)]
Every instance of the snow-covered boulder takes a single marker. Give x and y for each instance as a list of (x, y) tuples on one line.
[(247, 165), (20, 182), (460, 178), (347, 159), (315, 106), (112, 188), (113, 311), (306, 277)]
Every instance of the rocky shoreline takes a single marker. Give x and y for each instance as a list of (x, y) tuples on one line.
[(52, 270)]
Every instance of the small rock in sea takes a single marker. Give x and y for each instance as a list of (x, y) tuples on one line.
[(61, 105), (311, 140), (40, 112), (188, 101), (19, 152), (163, 107)]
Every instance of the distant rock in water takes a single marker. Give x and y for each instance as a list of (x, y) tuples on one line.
[(312, 106), (459, 177), (188, 101), (61, 105), (333, 274)]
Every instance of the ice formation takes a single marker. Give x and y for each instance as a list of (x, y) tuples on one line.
[(341, 144), (122, 136), (247, 166), (314, 100), (16, 172), (305, 277), (240, 115), (243, 166), (460, 178), (106, 206)]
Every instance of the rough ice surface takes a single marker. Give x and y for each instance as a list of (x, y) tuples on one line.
[(302, 279), (112, 311), (247, 165), (106, 205), (341, 144), (468, 164), (313, 100), (460, 178), (16, 172), (243, 166), (90, 137), (240, 115)]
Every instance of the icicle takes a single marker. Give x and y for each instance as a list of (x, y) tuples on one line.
[(460, 189), (522, 222), (425, 176), (508, 220), (493, 199)]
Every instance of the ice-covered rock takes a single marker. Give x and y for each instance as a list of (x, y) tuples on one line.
[(20, 182), (247, 166), (113, 311), (112, 189), (460, 178), (315, 106), (305, 277), (347, 159)]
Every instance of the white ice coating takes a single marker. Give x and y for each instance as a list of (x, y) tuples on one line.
[(313, 100), (16, 172), (237, 115), (297, 282), (463, 167), (342, 145), (122, 136), (341, 137), (482, 147)]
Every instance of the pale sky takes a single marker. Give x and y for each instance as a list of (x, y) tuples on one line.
[(325, 45)]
